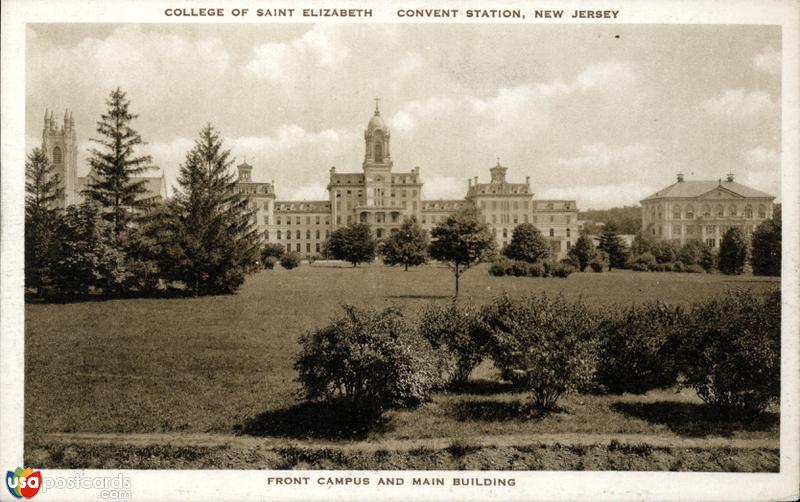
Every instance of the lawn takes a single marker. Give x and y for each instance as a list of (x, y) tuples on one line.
[(223, 364)]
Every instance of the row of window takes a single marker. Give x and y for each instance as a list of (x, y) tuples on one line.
[(288, 233), (299, 219), (718, 211), (298, 248)]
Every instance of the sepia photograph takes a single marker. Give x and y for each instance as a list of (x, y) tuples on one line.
[(462, 251)]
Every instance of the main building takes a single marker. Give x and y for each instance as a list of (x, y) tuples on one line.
[(384, 197)]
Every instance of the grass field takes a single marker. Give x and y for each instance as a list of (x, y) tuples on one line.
[(223, 365)]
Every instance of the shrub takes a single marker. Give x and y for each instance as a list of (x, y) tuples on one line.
[(644, 261), (730, 351), (583, 251), (498, 267), (639, 267), (732, 252), (636, 348), (312, 258), (563, 270), (665, 251), (272, 249), (541, 344), (370, 358), (694, 269), (452, 330), (519, 268), (536, 270), (290, 260), (709, 259), (677, 266), (691, 253), (597, 265), (269, 262)]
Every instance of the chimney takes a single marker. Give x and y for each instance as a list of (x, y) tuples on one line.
[(528, 180), (729, 178), (476, 180), (680, 177), (469, 182), (333, 169)]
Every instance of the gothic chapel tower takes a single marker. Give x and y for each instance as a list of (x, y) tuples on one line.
[(60, 146)]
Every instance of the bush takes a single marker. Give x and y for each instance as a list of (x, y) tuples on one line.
[(541, 344), (498, 267), (677, 266), (637, 347), (272, 249), (452, 330), (732, 252), (269, 262), (694, 269), (290, 260), (369, 358), (519, 268), (665, 251), (563, 270), (691, 253), (536, 270), (709, 259), (597, 265), (644, 261), (730, 351), (312, 258)]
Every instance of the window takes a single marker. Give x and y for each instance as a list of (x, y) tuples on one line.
[(762, 211), (569, 220), (720, 211), (57, 157), (690, 212), (317, 246), (494, 218), (278, 220), (711, 229), (552, 233), (505, 233), (338, 220), (297, 247), (711, 242), (327, 233), (748, 211), (525, 218), (308, 234), (552, 218), (676, 213), (568, 235), (706, 210), (316, 220), (288, 248), (317, 233), (732, 210), (308, 247), (379, 233), (297, 234), (297, 220), (308, 220), (288, 235), (676, 230), (266, 234), (279, 235)]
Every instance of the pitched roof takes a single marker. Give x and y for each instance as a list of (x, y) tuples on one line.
[(696, 188)]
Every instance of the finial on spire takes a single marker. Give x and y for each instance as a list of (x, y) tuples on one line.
[(377, 102), (498, 161)]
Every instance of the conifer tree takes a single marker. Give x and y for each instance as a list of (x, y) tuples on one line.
[(207, 237), (112, 183), (613, 245), (527, 244), (43, 195)]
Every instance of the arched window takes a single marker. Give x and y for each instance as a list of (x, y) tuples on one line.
[(57, 157), (720, 211), (317, 234), (690, 212), (378, 149), (567, 234), (279, 235), (297, 234), (732, 210), (706, 210), (676, 212), (762, 211), (748, 211)]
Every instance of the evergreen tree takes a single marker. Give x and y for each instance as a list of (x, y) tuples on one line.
[(408, 246), (643, 243), (527, 244), (766, 243), (583, 251), (207, 239), (112, 183), (43, 195), (732, 252), (614, 247), (461, 241), (353, 243)]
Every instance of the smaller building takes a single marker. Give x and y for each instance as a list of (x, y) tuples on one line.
[(704, 210)]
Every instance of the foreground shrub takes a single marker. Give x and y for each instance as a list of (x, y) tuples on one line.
[(730, 351), (542, 345), (370, 358), (452, 330), (269, 262), (290, 260), (637, 347)]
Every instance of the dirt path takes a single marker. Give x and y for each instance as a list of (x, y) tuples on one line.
[(569, 439)]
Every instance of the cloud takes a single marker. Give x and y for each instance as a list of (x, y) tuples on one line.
[(738, 103), (768, 61), (600, 155), (444, 187), (321, 46), (612, 75), (593, 196), (313, 191), (284, 138), (410, 64), (761, 156)]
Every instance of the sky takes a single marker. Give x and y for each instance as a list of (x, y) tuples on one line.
[(601, 114)]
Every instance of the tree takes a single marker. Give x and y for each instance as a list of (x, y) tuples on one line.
[(408, 246), (207, 237), (461, 241), (643, 243), (114, 165), (353, 243), (274, 250), (613, 245), (583, 251), (691, 253), (627, 219), (732, 252), (527, 244), (665, 251), (766, 244), (43, 193)]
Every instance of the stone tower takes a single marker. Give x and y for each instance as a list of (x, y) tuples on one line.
[(60, 146), (377, 161)]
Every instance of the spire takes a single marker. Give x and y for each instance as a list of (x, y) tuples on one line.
[(377, 109), (45, 117)]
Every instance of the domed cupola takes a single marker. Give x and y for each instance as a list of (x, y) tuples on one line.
[(376, 139)]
